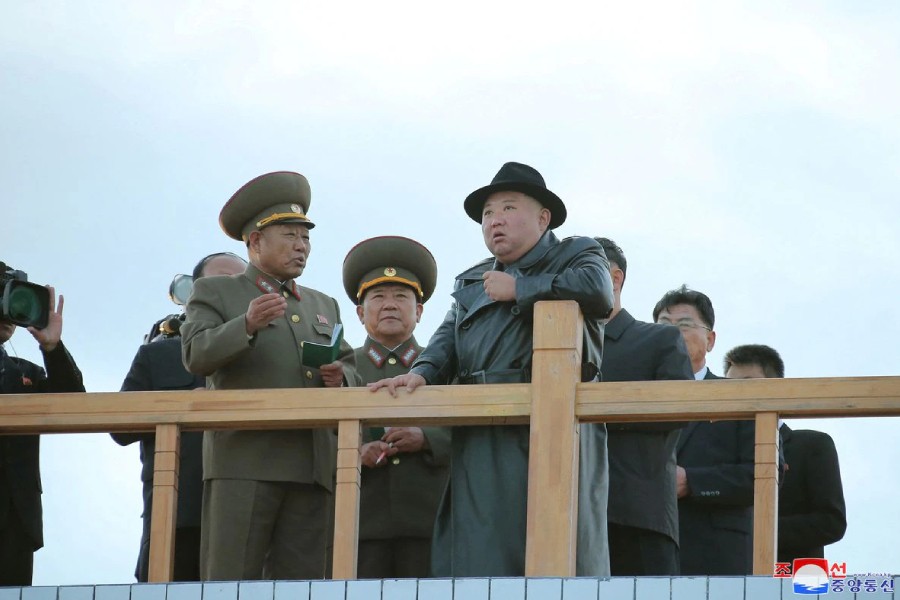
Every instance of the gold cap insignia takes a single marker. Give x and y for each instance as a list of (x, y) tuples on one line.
[(390, 271)]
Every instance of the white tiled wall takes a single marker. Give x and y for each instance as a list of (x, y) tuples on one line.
[(620, 588)]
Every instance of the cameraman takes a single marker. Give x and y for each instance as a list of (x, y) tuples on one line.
[(21, 523), (157, 366)]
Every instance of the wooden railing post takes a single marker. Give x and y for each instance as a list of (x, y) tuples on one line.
[(553, 451), (165, 503), (346, 513), (765, 495)]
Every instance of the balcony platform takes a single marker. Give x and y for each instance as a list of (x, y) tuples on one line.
[(544, 588)]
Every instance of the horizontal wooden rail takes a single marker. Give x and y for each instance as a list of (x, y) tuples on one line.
[(446, 405), (557, 348)]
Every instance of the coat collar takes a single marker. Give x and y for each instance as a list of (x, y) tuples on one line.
[(786, 432), (406, 352), (618, 324), (269, 285), (537, 252)]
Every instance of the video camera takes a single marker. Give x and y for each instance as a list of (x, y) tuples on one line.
[(23, 303)]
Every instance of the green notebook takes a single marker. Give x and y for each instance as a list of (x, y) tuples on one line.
[(316, 355)]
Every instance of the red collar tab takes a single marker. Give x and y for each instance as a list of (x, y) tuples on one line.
[(265, 285), (295, 291), (375, 356), (409, 356)]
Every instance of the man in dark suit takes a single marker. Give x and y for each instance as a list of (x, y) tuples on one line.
[(714, 478), (157, 366), (405, 469), (643, 510), (21, 522), (811, 509)]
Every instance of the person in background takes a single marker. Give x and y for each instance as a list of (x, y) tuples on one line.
[(714, 477), (643, 509), (21, 520), (157, 366), (811, 508)]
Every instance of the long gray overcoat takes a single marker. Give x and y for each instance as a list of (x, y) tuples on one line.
[(480, 529)]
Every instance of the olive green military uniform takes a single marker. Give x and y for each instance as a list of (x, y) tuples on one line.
[(267, 494), (399, 499)]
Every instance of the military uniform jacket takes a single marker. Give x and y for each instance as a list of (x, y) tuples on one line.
[(20, 476), (400, 500), (215, 344), (157, 367), (642, 455), (480, 529)]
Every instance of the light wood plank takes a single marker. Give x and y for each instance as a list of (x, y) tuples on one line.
[(346, 518), (165, 504), (553, 447), (765, 495)]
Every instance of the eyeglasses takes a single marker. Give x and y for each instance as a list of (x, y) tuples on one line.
[(684, 324)]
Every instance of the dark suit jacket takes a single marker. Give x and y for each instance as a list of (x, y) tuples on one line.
[(716, 519), (20, 477), (157, 367), (642, 456), (811, 510)]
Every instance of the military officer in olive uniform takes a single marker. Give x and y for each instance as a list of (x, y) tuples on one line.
[(404, 468), (267, 495)]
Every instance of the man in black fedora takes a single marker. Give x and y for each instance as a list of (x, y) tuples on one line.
[(487, 338)]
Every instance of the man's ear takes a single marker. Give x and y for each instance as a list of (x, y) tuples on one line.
[(361, 312), (544, 218), (710, 340), (419, 308), (253, 241), (618, 277)]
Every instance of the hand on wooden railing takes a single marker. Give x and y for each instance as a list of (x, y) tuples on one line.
[(410, 380)]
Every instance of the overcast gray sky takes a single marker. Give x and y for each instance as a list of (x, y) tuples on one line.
[(751, 150)]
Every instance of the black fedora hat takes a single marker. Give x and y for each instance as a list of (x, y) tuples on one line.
[(517, 177)]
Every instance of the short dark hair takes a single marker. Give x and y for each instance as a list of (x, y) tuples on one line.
[(614, 254), (198, 270), (684, 295), (755, 354)]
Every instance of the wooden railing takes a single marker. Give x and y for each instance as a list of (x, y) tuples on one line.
[(554, 403)]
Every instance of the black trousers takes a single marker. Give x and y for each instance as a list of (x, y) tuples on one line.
[(635, 551), (187, 556), (16, 552)]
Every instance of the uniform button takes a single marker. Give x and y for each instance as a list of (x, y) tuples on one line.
[(295, 318), (309, 374), (466, 325), (392, 361), (285, 294), (515, 309), (395, 461)]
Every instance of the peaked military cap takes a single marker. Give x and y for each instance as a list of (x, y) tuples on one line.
[(279, 197), (389, 259), (516, 177)]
